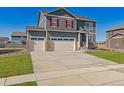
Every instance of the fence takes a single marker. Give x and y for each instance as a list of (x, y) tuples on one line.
[(2, 45), (12, 45)]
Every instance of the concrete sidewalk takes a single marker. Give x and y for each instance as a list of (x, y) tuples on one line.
[(70, 68), (99, 75)]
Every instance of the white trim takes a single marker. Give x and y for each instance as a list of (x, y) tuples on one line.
[(116, 34), (87, 40), (37, 37), (62, 38), (79, 40), (41, 20), (87, 31), (117, 37), (45, 22)]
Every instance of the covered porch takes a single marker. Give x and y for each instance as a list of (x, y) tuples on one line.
[(86, 39)]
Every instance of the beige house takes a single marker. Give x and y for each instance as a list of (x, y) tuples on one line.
[(115, 38)]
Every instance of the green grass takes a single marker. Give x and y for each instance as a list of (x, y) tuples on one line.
[(15, 65), (31, 83), (113, 56), (101, 46)]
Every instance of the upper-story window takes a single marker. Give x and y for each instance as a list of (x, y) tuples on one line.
[(69, 23), (89, 25), (54, 22)]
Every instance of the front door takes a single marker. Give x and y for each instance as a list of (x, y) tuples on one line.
[(83, 40)]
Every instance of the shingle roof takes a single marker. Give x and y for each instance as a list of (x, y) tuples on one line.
[(84, 18), (4, 38), (18, 34), (117, 28)]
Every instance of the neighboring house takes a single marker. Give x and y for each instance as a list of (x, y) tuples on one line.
[(4, 41), (19, 37), (115, 38), (65, 29)]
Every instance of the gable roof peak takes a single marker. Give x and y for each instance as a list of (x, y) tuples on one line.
[(62, 8)]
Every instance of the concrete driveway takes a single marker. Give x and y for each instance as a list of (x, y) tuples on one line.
[(74, 68)]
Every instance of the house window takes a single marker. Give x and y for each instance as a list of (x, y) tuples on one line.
[(69, 23), (89, 25), (54, 22)]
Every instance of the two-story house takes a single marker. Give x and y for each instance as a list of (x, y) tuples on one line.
[(65, 29)]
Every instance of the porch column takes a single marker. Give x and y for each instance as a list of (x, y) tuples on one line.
[(46, 35), (87, 40), (79, 41)]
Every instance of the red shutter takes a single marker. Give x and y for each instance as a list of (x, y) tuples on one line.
[(66, 23), (72, 23), (57, 22), (50, 21)]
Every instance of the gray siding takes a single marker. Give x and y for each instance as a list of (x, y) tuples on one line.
[(61, 12), (63, 34), (53, 34), (62, 22), (37, 33), (81, 23)]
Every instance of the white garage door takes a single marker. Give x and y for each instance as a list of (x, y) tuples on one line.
[(38, 44), (63, 44)]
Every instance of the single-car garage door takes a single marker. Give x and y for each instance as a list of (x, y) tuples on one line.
[(63, 44), (38, 43)]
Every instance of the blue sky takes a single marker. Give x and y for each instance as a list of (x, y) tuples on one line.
[(15, 19)]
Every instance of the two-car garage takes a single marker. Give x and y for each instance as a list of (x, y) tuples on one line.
[(60, 43)]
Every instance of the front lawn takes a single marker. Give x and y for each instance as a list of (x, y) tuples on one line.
[(15, 65), (31, 83), (109, 55)]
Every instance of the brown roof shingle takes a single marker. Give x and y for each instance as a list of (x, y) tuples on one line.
[(85, 19), (18, 34)]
